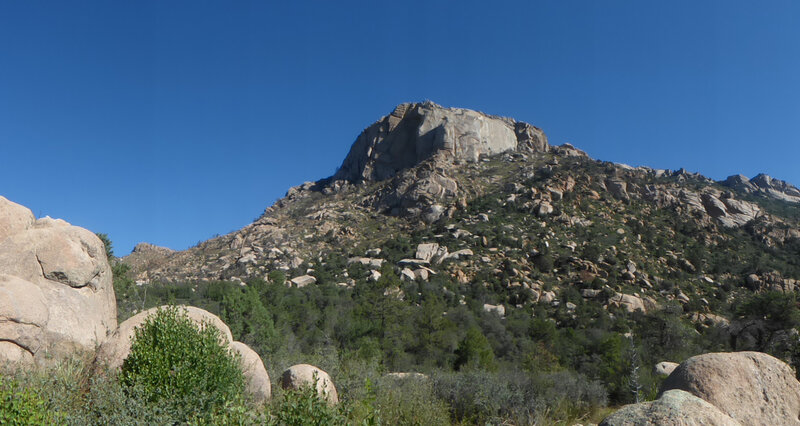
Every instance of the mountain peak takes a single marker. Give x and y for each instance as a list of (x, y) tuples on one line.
[(414, 132)]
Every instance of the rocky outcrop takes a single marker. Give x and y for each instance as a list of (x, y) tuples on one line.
[(727, 210), (56, 295), (413, 133), (303, 281), (774, 188), (629, 302), (747, 388), (116, 349), (418, 145), (147, 256), (500, 310), (302, 375)]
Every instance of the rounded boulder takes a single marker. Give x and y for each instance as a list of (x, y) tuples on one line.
[(750, 387), (258, 384), (675, 407), (303, 375), (665, 368)]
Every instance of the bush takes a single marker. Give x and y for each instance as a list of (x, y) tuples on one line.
[(22, 406), (511, 397), (474, 351), (410, 401), (186, 367), (779, 308), (304, 407)]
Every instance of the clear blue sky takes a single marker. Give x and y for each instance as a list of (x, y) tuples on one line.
[(172, 121)]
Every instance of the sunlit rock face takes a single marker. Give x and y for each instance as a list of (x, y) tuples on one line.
[(56, 294), (413, 133)]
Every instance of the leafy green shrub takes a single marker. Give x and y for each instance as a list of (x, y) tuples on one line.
[(185, 366), (107, 403), (23, 406), (304, 407)]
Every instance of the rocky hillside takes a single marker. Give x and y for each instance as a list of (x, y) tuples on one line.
[(451, 240), (424, 164)]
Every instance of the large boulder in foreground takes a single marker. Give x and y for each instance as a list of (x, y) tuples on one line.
[(56, 292), (116, 349), (751, 387), (738, 388), (675, 407), (302, 375)]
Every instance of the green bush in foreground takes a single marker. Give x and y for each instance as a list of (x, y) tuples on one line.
[(304, 407), (22, 406), (181, 366)]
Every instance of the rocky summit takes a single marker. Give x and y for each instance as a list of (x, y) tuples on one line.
[(413, 133)]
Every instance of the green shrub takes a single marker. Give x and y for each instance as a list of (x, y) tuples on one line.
[(304, 407), (474, 351), (410, 401), (175, 362), (777, 307), (23, 406), (513, 397)]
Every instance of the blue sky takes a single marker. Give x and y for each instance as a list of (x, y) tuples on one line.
[(172, 121)]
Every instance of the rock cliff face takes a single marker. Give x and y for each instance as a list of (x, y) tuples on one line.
[(413, 133), (56, 295), (418, 145)]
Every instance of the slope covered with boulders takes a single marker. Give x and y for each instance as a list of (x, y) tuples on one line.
[(465, 247)]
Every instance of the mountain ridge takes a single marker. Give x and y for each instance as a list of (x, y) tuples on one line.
[(426, 187)]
